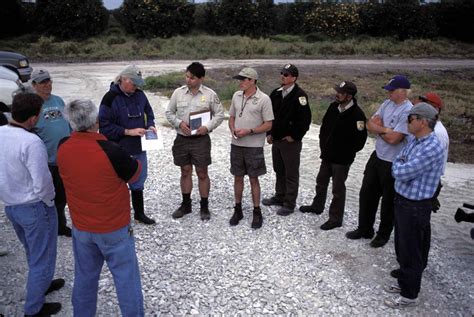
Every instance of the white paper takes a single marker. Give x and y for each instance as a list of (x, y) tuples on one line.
[(196, 120), (152, 141)]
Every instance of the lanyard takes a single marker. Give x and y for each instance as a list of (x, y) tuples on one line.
[(244, 103)]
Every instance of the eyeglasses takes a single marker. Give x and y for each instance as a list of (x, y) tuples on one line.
[(284, 74), (413, 117)]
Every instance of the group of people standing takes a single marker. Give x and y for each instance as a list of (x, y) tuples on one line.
[(99, 172)]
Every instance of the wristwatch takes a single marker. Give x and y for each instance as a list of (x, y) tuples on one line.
[(252, 131)]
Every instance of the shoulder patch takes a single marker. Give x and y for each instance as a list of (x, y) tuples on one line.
[(108, 98), (360, 125), (303, 101)]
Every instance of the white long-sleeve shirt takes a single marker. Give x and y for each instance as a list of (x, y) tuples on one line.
[(24, 173)]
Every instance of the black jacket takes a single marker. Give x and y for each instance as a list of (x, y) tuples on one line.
[(292, 114), (342, 135)]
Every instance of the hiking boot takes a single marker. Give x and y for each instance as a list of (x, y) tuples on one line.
[(378, 242), (311, 209), (237, 216), (48, 309), (396, 273), (205, 214), (257, 220), (272, 201), (55, 285), (329, 225), (285, 211), (400, 302), (358, 234), (392, 288), (184, 209)]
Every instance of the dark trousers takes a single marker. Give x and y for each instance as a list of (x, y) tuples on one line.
[(338, 173), (60, 198), (286, 164), (377, 183), (412, 240)]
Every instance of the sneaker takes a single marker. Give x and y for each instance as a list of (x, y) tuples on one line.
[(272, 201), (396, 273), (55, 285), (205, 214), (378, 242), (400, 302), (392, 288), (285, 211), (66, 231), (329, 225), (184, 209), (311, 209), (358, 234), (48, 309)]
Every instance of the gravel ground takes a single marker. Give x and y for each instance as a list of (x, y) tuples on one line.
[(288, 267)]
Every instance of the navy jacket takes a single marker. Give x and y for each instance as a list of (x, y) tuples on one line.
[(119, 111)]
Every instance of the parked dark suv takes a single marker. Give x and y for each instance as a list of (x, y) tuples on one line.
[(17, 63)]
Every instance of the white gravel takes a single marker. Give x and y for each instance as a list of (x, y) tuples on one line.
[(289, 266)]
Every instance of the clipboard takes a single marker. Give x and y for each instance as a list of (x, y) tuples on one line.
[(198, 119)]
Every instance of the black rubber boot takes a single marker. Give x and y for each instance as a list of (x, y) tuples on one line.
[(139, 212)]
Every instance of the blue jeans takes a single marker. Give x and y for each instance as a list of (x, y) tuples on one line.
[(140, 183), (117, 248), (412, 242), (36, 226)]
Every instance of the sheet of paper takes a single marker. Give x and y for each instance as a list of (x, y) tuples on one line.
[(197, 119), (152, 141)]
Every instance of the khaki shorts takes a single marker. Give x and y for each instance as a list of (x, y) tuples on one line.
[(194, 150), (247, 161)]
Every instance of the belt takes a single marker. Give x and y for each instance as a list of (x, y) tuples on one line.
[(191, 136)]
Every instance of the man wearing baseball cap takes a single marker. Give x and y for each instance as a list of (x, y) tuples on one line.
[(124, 116), (51, 128), (292, 119), (389, 124), (251, 117), (341, 136), (417, 170)]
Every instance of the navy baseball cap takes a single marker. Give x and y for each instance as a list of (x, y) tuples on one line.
[(397, 82)]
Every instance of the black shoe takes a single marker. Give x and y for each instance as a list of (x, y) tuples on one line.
[(257, 220), (459, 215), (328, 225), (378, 242), (236, 217), (55, 285), (205, 214), (396, 273), (285, 211), (144, 219), (66, 231), (358, 234), (184, 209), (48, 309), (311, 209), (272, 201)]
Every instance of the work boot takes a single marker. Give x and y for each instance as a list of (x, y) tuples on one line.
[(272, 201), (237, 216), (313, 208), (257, 218), (285, 211), (358, 234), (139, 212), (378, 242), (184, 209), (329, 225), (48, 309), (55, 285), (205, 214)]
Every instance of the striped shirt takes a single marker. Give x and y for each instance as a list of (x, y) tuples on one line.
[(418, 167)]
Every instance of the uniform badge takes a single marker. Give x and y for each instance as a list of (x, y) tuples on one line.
[(360, 125), (203, 98), (303, 101), (217, 100)]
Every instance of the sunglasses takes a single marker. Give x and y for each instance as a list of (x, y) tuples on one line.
[(284, 74), (413, 117)]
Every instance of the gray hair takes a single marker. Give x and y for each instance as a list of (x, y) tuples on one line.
[(81, 114)]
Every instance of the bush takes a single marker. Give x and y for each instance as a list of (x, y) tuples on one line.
[(151, 18), (455, 20), (77, 19), (12, 18), (334, 20)]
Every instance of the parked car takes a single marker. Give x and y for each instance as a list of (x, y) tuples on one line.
[(17, 63), (10, 85)]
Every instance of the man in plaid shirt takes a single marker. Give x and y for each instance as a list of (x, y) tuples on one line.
[(417, 171)]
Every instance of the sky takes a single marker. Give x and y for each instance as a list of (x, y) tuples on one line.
[(114, 4)]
